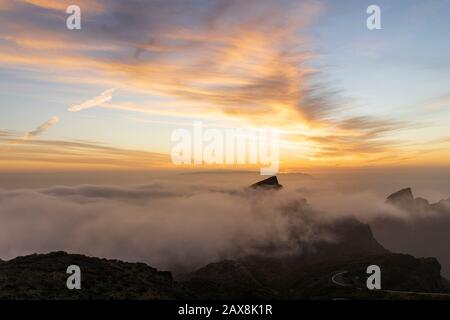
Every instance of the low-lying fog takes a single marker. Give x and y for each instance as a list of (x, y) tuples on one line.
[(174, 220)]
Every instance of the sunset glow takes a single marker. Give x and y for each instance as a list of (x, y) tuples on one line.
[(120, 89)]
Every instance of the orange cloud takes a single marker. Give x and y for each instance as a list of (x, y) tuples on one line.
[(55, 154), (245, 61), (61, 5)]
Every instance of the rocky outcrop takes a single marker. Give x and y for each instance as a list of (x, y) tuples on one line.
[(401, 198), (269, 183), (404, 199)]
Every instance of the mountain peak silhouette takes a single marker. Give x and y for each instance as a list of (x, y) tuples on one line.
[(401, 197), (269, 183)]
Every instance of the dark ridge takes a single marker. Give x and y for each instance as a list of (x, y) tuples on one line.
[(269, 183), (402, 196), (43, 277)]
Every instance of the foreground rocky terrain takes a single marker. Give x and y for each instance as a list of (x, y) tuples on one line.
[(43, 276)]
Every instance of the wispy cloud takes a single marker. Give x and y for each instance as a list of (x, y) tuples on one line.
[(240, 58), (41, 129), (67, 154), (105, 96)]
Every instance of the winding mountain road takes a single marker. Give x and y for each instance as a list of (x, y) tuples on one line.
[(336, 277), (337, 280)]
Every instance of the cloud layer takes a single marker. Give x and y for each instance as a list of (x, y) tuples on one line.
[(41, 154), (176, 224), (166, 225), (243, 61)]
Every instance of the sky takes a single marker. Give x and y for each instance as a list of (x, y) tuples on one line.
[(110, 94)]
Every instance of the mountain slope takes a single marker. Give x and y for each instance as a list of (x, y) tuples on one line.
[(403, 276), (43, 276), (307, 272), (422, 229)]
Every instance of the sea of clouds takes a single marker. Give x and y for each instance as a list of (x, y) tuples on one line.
[(167, 225), (182, 226)]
